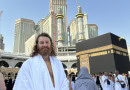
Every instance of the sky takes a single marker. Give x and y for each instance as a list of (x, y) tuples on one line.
[(109, 15)]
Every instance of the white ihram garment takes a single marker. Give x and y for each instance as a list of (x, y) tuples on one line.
[(34, 75), (104, 84), (126, 82), (117, 84)]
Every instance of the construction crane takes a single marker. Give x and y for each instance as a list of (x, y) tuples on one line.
[(1, 13), (0, 17)]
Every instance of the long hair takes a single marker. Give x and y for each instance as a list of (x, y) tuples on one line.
[(35, 48)]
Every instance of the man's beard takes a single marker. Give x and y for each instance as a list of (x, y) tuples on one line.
[(44, 51)]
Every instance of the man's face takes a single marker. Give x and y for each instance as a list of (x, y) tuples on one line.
[(44, 46), (105, 73), (116, 72)]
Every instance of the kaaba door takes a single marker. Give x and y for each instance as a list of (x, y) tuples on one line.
[(84, 61)]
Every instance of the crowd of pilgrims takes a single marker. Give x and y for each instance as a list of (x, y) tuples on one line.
[(85, 81), (103, 81), (112, 81)]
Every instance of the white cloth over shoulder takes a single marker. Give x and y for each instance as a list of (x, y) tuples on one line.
[(34, 75), (126, 82), (117, 84), (104, 84)]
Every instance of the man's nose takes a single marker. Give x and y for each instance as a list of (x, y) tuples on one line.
[(44, 44)]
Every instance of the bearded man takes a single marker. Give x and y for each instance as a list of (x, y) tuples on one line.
[(42, 71)]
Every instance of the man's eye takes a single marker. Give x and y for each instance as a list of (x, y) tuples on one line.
[(42, 43)]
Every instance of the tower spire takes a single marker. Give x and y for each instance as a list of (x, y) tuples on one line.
[(60, 28), (80, 24)]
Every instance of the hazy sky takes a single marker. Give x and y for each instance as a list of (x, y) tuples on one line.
[(109, 15)]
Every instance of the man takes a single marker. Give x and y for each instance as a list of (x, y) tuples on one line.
[(2, 83), (110, 86), (118, 81), (126, 81), (42, 71), (106, 83)]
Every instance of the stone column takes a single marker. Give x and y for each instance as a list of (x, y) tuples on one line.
[(80, 25), (60, 28)]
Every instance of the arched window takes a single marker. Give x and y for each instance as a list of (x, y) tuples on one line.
[(4, 64), (74, 65), (19, 64)]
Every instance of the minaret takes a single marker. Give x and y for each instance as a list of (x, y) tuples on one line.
[(60, 28), (54, 5), (80, 25)]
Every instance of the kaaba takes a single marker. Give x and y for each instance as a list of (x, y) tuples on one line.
[(104, 53)]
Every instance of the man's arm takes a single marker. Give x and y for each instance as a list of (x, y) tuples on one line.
[(2, 83)]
